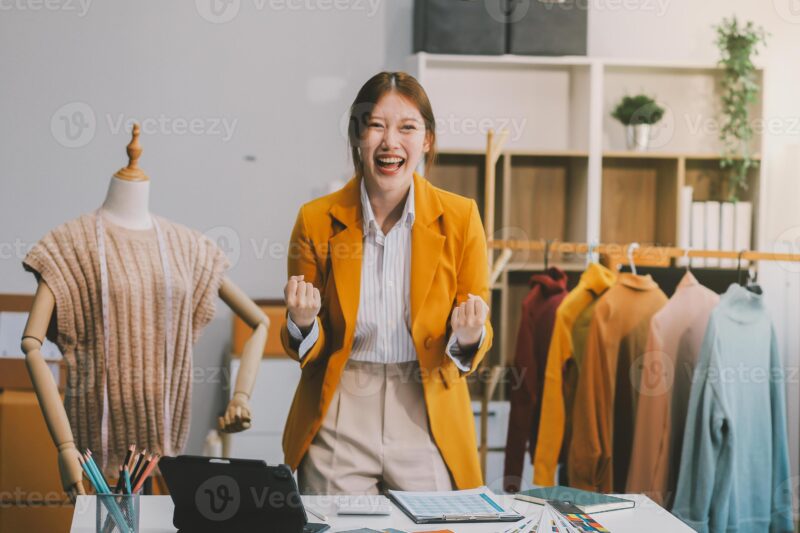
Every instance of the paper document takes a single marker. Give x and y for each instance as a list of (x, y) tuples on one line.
[(461, 505)]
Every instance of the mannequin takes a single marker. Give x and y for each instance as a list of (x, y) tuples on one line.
[(126, 205)]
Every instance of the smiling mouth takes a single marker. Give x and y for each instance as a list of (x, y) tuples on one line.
[(389, 164)]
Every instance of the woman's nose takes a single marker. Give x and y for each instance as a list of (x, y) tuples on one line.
[(390, 137)]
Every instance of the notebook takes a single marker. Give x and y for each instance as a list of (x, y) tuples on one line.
[(588, 502), (471, 505)]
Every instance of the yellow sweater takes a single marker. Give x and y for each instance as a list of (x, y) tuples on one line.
[(592, 285)]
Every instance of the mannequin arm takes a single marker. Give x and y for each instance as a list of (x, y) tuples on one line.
[(47, 391), (237, 416)]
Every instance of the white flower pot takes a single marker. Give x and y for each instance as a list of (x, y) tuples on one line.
[(637, 136)]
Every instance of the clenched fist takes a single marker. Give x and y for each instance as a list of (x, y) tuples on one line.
[(303, 301), (468, 320)]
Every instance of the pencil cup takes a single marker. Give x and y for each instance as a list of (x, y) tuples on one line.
[(117, 513)]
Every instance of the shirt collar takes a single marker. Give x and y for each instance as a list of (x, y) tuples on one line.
[(369, 217), (688, 280), (640, 283), (598, 278), (741, 304)]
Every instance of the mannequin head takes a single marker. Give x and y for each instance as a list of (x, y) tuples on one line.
[(391, 129)]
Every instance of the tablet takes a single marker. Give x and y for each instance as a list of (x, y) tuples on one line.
[(215, 494)]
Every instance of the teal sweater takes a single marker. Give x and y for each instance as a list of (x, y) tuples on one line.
[(734, 473)]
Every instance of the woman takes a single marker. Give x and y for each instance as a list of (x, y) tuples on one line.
[(377, 270)]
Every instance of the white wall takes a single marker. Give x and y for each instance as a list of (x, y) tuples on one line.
[(280, 78)]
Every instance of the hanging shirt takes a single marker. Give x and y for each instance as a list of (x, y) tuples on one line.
[(734, 472), (605, 403), (673, 345), (560, 370), (548, 289)]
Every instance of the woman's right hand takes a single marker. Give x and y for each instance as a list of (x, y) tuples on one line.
[(303, 301)]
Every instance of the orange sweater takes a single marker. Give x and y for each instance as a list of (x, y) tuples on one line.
[(605, 403)]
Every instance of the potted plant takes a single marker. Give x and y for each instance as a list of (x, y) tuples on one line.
[(638, 113), (737, 44)]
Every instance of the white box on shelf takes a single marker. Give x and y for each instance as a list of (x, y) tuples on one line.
[(712, 231), (698, 231), (685, 221), (498, 422), (744, 223), (726, 231)]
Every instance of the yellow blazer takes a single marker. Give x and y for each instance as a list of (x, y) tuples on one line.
[(448, 261)]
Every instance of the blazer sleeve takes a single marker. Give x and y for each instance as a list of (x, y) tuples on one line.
[(302, 260), (473, 277)]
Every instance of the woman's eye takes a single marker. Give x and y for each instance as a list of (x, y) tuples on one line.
[(409, 127), (375, 125)]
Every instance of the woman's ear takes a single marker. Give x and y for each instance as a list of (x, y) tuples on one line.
[(426, 146)]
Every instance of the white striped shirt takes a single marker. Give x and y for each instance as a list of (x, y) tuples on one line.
[(383, 325)]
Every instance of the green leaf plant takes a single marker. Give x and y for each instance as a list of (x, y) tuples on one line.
[(737, 45)]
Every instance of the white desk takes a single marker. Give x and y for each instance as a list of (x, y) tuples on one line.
[(156, 517)]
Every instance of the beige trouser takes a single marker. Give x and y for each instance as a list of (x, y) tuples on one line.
[(375, 436)]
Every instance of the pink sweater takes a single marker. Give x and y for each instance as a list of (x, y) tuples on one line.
[(676, 334)]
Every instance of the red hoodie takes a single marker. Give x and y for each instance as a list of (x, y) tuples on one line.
[(533, 340)]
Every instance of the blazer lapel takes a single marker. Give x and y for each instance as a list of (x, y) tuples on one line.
[(346, 249), (427, 243)]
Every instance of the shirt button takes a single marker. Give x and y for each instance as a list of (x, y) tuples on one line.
[(428, 342)]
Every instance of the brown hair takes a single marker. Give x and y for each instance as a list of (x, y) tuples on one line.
[(366, 99)]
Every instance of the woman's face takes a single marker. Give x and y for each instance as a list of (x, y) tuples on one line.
[(394, 142)]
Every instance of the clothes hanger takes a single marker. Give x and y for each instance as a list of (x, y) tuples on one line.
[(752, 283), (631, 248), (739, 268)]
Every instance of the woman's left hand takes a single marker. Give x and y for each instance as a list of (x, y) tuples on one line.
[(237, 415), (468, 320)]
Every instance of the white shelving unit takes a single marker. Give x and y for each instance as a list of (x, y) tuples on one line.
[(566, 173)]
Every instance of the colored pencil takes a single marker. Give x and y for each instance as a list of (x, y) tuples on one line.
[(142, 469), (139, 462), (127, 481), (146, 473), (100, 478)]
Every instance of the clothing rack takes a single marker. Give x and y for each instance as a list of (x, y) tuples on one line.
[(631, 251), (638, 252)]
